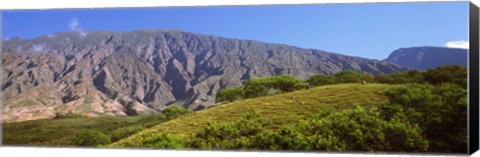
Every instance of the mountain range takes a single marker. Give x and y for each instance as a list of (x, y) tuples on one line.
[(427, 57), (95, 73)]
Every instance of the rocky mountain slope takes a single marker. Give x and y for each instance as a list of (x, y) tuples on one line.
[(140, 72), (424, 58)]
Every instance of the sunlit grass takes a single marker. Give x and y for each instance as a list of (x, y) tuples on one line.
[(281, 109)]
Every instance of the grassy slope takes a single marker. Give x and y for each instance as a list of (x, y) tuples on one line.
[(60, 132), (281, 109)]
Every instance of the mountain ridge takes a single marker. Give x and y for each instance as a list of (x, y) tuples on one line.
[(427, 57), (140, 72)]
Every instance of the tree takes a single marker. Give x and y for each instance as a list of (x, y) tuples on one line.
[(439, 111), (229, 94), (413, 76), (350, 76), (361, 129), (174, 111), (161, 140), (91, 138), (320, 79), (285, 83), (256, 87), (233, 135), (447, 74)]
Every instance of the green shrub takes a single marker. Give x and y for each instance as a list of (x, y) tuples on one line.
[(320, 79), (229, 94), (91, 138), (285, 83), (447, 74), (174, 111), (256, 87), (350, 76), (234, 135), (440, 112), (413, 76), (162, 140)]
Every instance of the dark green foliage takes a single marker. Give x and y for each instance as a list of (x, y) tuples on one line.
[(174, 111), (413, 76), (357, 129), (91, 138), (162, 140), (287, 138), (125, 132), (350, 76), (447, 74), (320, 79), (402, 136), (229, 94), (361, 129), (256, 87), (285, 83), (440, 112), (235, 135)]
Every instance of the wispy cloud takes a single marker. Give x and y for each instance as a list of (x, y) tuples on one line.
[(74, 25), (457, 44), (38, 48)]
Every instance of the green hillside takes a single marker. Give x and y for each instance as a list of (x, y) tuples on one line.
[(61, 132), (281, 109)]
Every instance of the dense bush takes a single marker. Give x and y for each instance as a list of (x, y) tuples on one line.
[(161, 140), (285, 83), (413, 76), (320, 79), (362, 129), (234, 135), (229, 94), (447, 74), (440, 111), (256, 87), (435, 76), (174, 111), (350, 76), (91, 138), (357, 129)]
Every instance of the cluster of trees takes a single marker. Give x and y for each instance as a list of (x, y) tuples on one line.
[(257, 87), (436, 76), (417, 118)]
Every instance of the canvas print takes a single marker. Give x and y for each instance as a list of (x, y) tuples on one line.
[(370, 77)]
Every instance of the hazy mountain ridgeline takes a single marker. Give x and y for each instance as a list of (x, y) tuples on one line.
[(141, 72), (424, 58)]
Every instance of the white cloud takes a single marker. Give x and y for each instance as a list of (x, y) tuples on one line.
[(38, 48), (457, 44), (75, 26)]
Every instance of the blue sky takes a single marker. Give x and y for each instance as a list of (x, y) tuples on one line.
[(367, 30)]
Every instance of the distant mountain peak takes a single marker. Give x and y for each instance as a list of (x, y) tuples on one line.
[(426, 57)]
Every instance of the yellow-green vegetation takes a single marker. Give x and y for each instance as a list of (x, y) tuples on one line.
[(282, 109), (62, 132)]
